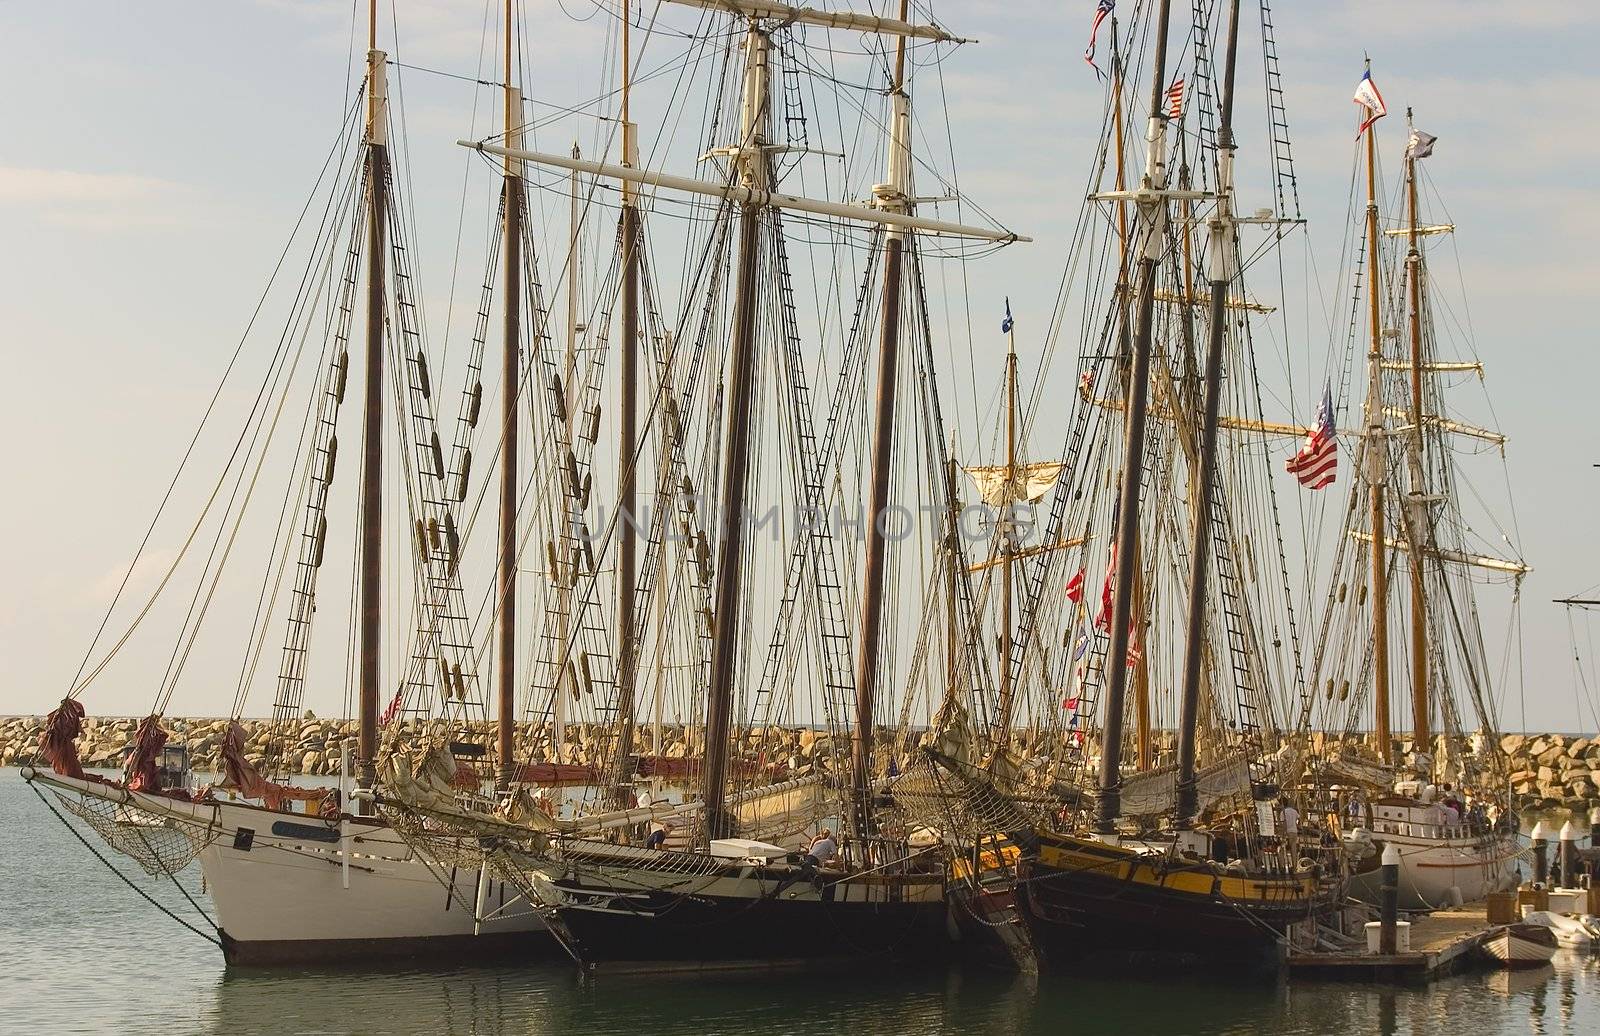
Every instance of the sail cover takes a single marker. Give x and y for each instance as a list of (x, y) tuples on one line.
[(1155, 792), (1028, 482)]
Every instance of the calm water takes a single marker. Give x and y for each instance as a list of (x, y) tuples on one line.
[(79, 952)]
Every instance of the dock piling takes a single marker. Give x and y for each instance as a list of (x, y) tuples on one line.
[(1541, 853), (1391, 899)]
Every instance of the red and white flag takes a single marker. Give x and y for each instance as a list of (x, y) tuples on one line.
[(1175, 100), (1318, 460), (1101, 10), (1368, 97), (1075, 588), (394, 707)]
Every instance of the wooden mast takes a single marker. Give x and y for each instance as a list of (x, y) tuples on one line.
[(565, 574), (1376, 465), (510, 389), (628, 436), (952, 560), (752, 167), (1141, 673), (1008, 691), (1417, 504), (371, 530), (894, 195), (1151, 204), (1223, 265)]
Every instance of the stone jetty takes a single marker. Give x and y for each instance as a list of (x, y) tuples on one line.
[(1548, 771)]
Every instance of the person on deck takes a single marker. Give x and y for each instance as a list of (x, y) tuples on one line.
[(658, 837), (823, 848), (1291, 829)]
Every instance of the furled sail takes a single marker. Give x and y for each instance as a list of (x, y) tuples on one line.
[(1028, 483)]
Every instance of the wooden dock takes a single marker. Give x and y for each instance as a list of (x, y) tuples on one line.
[(1441, 943)]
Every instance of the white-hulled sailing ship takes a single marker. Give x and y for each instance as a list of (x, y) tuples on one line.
[(1406, 515), (294, 873)]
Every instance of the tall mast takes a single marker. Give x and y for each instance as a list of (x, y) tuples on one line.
[(1141, 677), (1417, 500), (1152, 220), (752, 167), (511, 382), (371, 551), (1008, 692), (565, 571), (1376, 463), (952, 556), (1223, 266), (628, 435), (894, 195)]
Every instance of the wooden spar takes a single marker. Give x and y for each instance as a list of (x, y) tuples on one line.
[(1376, 463), (1151, 222), (828, 19), (510, 382), (1300, 431), (752, 162), (743, 194), (1008, 690), (1028, 552), (628, 442), (1417, 505), (371, 549), (1457, 557), (1222, 274), (895, 197)]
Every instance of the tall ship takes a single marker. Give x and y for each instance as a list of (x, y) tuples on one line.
[(1155, 673), (296, 873), (1401, 633), (763, 854)]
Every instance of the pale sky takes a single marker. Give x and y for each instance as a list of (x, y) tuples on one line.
[(154, 156)]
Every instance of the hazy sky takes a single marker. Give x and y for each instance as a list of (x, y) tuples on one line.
[(155, 154)]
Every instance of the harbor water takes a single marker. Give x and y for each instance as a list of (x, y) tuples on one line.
[(81, 952)]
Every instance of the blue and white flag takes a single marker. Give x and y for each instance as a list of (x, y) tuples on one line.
[(1005, 325)]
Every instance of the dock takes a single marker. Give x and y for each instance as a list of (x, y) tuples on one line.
[(1441, 943)]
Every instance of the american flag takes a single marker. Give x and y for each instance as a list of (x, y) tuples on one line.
[(1318, 460), (394, 707), (1103, 8), (1175, 100)]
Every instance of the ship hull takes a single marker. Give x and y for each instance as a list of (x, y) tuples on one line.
[(278, 884), (1087, 902), (1430, 867), (645, 918)]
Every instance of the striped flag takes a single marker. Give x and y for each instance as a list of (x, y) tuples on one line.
[(1175, 100), (394, 707), (1368, 97), (1103, 8), (1318, 460)]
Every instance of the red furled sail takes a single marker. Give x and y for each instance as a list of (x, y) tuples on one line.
[(58, 743)]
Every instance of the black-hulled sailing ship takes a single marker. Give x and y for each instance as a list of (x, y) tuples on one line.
[(745, 886), (1133, 848)]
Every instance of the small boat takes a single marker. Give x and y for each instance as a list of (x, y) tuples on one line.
[(1521, 945)]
